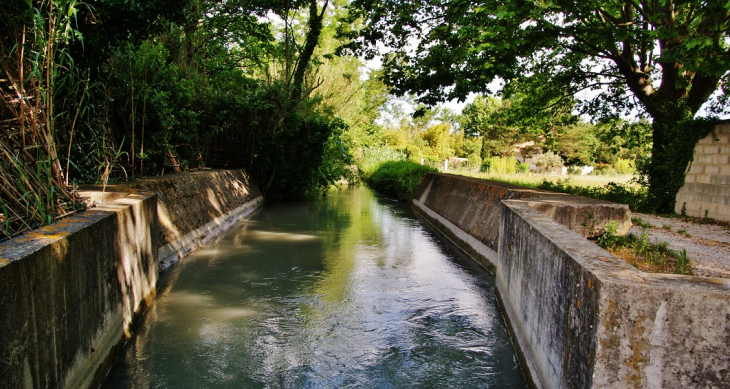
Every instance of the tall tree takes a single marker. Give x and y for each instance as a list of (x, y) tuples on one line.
[(664, 58), (487, 118)]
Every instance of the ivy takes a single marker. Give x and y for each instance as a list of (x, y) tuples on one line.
[(667, 168)]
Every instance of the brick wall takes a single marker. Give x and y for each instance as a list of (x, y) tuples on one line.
[(707, 186)]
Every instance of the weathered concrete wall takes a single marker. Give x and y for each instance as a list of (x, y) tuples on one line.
[(475, 208), (193, 208), (707, 185), (583, 318), (69, 292)]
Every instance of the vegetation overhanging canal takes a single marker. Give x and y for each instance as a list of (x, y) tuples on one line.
[(100, 91)]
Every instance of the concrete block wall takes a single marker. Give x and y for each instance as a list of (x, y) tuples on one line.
[(70, 292), (707, 185), (581, 317)]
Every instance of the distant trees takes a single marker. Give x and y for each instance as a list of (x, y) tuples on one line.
[(663, 58), (490, 133)]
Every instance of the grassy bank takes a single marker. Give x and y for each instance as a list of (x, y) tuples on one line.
[(399, 179), (533, 180)]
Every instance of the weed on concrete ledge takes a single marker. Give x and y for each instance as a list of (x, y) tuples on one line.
[(638, 251)]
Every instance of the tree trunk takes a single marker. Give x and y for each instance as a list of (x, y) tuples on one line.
[(315, 30)]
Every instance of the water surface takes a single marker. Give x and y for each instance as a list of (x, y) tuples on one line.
[(348, 291)]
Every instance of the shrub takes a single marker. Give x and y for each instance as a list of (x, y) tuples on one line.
[(373, 157), (604, 169), (523, 167), (398, 178), (500, 165), (548, 161), (475, 161), (624, 166)]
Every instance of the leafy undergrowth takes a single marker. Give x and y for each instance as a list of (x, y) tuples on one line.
[(398, 178), (639, 252)]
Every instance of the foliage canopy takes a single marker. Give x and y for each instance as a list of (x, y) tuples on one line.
[(662, 58)]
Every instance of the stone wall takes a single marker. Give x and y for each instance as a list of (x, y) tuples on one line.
[(70, 292), (707, 185), (580, 316)]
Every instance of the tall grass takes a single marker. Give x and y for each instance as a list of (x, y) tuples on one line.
[(500, 165), (35, 69), (373, 157), (388, 171)]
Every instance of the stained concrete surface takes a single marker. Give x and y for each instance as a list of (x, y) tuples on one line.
[(70, 292), (582, 317)]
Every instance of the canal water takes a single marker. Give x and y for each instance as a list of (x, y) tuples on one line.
[(347, 291)]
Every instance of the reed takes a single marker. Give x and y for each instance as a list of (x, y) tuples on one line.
[(34, 67)]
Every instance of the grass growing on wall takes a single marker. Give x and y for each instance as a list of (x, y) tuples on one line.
[(639, 252), (635, 196), (619, 189), (398, 178)]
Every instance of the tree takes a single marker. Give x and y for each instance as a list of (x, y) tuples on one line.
[(664, 58), (488, 118), (576, 144), (439, 142), (548, 162)]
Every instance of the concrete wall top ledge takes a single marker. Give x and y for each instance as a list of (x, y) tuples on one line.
[(26, 244), (585, 318), (603, 264)]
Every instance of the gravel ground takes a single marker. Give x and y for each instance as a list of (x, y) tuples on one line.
[(707, 245)]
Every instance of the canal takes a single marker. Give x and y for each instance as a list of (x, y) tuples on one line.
[(347, 291)]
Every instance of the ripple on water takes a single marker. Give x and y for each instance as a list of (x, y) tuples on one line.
[(349, 291)]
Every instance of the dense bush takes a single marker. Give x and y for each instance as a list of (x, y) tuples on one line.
[(548, 161), (398, 178), (624, 166), (523, 167)]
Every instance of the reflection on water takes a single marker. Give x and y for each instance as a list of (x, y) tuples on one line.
[(349, 291)]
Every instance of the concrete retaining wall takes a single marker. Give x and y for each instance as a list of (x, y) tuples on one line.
[(70, 292), (196, 207), (707, 185), (581, 317), (474, 207)]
